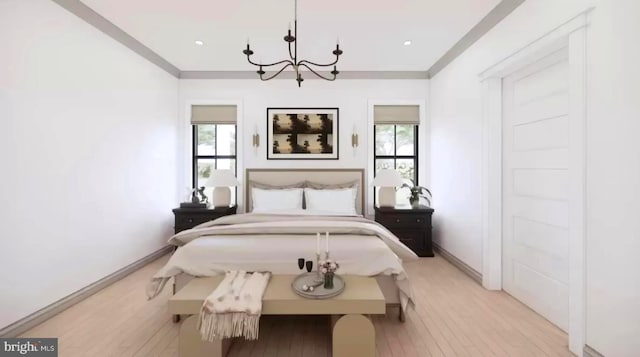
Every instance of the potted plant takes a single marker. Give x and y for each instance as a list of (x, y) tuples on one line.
[(416, 193)]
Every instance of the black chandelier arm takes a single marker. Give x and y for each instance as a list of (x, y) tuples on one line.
[(317, 73), (319, 64), (292, 44), (277, 73), (268, 64)]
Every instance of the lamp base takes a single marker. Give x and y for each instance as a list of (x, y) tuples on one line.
[(387, 197), (221, 197)]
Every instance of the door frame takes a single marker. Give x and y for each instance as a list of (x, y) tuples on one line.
[(571, 35)]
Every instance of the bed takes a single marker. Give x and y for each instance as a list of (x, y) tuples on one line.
[(273, 241)]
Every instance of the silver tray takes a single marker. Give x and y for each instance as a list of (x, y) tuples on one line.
[(319, 292)]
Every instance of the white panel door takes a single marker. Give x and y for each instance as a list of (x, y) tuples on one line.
[(536, 187)]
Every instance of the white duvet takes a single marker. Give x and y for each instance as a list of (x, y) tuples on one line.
[(263, 242)]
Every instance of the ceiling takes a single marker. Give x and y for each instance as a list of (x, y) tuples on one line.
[(371, 32)]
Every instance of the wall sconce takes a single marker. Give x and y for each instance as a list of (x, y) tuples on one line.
[(256, 140), (354, 140)]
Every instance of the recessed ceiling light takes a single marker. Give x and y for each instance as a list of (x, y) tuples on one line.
[(407, 43), (199, 43)]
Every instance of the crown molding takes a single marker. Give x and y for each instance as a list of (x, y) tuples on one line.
[(290, 75), (96, 20), (497, 14)]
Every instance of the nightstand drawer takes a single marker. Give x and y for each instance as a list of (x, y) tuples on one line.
[(392, 219), (411, 238), (192, 220), (187, 218)]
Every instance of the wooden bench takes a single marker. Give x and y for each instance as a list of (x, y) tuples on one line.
[(353, 333)]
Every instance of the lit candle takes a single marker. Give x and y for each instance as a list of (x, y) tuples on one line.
[(326, 236), (318, 243)]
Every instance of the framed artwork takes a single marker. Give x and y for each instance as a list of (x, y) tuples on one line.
[(302, 133)]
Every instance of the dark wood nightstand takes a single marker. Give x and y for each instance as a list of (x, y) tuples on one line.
[(411, 225), (187, 218)]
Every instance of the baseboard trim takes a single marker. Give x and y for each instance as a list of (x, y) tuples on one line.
[(588, 351), (38, 317), (472, 273)]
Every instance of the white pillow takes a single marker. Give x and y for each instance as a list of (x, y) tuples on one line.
[(276, 200), (338, 201)]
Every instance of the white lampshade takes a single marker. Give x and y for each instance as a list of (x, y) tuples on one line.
[(388, 178), (222, 178)]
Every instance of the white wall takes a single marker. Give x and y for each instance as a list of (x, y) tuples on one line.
[(613, 179), (351, 96), (87, 156), (613, 154)]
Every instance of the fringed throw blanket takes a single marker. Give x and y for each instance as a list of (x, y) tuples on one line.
[(233, 309)]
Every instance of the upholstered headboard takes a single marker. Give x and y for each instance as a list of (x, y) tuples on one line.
[(289, 176)]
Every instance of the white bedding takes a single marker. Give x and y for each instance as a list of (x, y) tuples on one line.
[(258, 242), (357, 255)]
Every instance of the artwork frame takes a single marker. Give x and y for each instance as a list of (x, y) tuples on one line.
[(303, 133)]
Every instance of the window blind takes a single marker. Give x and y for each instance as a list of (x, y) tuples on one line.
[(213, 114), (396, 114)]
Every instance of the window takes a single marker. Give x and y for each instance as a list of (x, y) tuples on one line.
[(396, 143), (396, 147), (214, 147), (214, 143)]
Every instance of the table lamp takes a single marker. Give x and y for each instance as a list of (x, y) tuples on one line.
[(222, 180), (387, 180)]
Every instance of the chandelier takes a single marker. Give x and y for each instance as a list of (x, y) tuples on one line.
[(292, 41)]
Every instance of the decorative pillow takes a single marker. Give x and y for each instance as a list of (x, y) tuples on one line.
[(276, 200), (338, 201), (333, 186), (264, 186)]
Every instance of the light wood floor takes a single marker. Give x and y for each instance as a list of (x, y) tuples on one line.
[(454, 317)]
